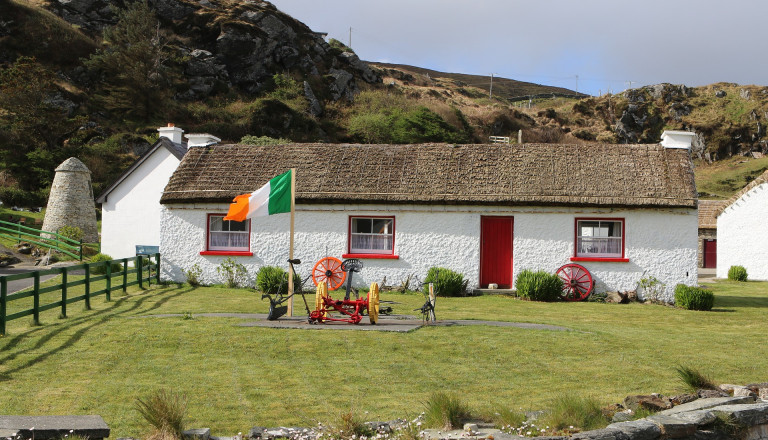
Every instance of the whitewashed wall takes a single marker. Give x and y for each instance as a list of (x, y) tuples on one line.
[(742, 237), (131, 214), (661, 243)]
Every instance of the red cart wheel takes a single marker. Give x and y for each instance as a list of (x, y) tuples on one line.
[(577, 282), (328, 270)]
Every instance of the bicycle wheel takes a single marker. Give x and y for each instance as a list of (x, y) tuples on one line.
[(328, 270)]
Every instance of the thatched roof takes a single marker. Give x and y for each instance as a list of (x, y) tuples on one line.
[(708, 210), (498, 174), (763, 178)]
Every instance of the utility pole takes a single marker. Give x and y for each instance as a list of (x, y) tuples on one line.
[(490, 93), (629, 84), (577, 83), (350, 37)]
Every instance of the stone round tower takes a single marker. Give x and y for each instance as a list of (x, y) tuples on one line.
[(70, 202)]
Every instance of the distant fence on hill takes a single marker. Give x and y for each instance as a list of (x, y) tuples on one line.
[(56, 295)]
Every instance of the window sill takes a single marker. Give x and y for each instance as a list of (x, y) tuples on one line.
[(231, 253), (372, 256), (598, 259)]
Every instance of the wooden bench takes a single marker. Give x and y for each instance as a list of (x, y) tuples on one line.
[(53, 427)]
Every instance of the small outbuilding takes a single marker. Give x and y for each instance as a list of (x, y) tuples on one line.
[(488, 211), (708, 210), (742, 238), (130, 207)]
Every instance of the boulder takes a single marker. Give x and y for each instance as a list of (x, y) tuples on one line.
[(653, 402), (315, 108), (720, 94)]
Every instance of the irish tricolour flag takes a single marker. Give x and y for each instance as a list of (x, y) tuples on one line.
[(272, 198)]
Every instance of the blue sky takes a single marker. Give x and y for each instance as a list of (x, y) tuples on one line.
[(609, 44)]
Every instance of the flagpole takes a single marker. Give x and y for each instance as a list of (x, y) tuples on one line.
[(290, 248)]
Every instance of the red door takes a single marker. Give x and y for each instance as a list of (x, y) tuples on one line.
[(710, 253), (496, 251)]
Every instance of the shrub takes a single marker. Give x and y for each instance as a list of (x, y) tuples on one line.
[(539, 286), (12, 196), (693, 298), (193, 275), (263, 140), (569, 410), (101, 269), (165, 411), (446, 282), (273, 280), (694, 379), (737, 273), (445, 411), (71, 232), (234, 273), (652, 288)]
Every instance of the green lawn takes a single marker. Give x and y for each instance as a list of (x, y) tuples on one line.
[(100, 361)]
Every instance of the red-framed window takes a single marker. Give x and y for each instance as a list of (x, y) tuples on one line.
[(226, 237), (371, 237), (599, 239)]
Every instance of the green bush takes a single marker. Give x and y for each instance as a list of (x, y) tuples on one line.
[(193, 275), (234, 273), (273, 280), (539, 286), (71, 232), (693, 298), (446, 282), (101, 269), (737, 273), (263, 140), (12, 196), (568, 410)]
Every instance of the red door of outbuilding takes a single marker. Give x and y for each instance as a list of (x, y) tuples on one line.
[(496, 251), (710, 253)]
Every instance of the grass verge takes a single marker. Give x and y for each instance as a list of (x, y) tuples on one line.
[(99, 361)]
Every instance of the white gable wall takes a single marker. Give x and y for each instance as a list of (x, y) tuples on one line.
[(131, 214), (742, 238), (659, 243)]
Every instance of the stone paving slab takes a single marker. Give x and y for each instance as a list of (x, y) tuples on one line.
[(92, 427), (712, 402)]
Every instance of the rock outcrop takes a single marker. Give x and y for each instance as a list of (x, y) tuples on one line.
[(225, 44)]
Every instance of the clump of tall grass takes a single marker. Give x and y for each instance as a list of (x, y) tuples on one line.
[(445, 411), (694, 379), (569, 411), (166, 412)]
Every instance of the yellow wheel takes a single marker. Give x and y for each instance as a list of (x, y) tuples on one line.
[(373, 303), (320, 295)]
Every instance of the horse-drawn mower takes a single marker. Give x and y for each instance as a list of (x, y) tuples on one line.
[(331, 273)]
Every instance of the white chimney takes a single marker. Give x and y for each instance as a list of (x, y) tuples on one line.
[(677, 139), (171, 132), (201, 140)]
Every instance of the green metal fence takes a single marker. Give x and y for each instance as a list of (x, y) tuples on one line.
[(52, 240), (143, 270)]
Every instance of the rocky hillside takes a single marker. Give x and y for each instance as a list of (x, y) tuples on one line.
[(236, 68)]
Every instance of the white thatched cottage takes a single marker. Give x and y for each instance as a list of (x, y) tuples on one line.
[(742, 239), (130, 207), (487, 211)]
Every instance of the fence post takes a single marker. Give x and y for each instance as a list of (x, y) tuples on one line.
[(140, 270), (81, 250), (109, 280), (36, 308), (125, 275), (64, 292), (157, 267), (3, 301), (88, 287)]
